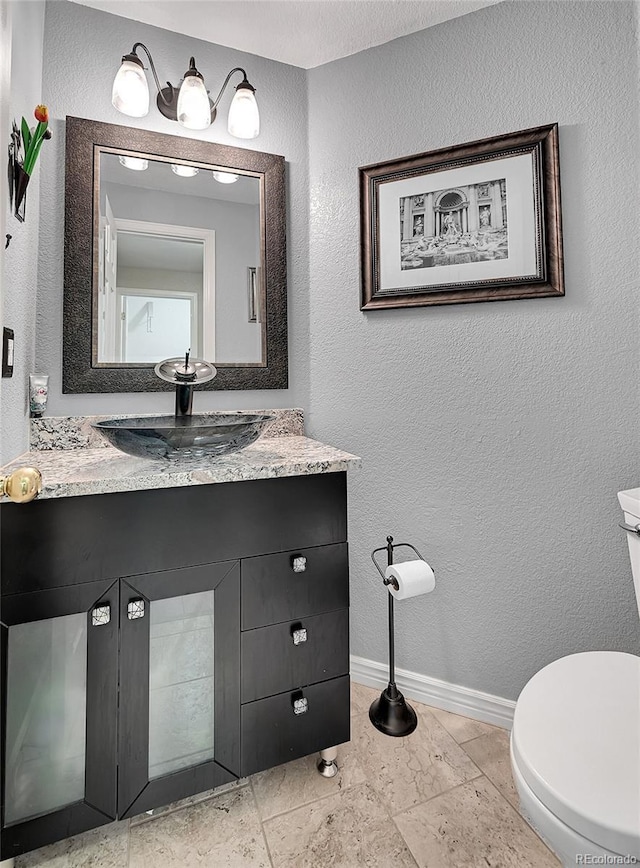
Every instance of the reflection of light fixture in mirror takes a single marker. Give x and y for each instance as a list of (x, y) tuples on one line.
[(184, 171), (138, 164), (225, 177), (189, 104)]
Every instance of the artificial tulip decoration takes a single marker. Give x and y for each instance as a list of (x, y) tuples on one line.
[(32, 141)]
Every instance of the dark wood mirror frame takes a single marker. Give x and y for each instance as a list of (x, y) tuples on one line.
[(84, 141)]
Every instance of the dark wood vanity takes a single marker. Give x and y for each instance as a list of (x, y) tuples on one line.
[(259, 568)]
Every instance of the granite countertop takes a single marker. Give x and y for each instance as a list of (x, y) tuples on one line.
[(103, 469)]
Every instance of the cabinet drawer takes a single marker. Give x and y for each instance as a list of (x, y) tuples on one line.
[(273, 591), (273, 734), (294, 653)]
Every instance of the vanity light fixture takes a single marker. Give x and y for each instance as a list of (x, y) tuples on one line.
[(138, 164), (189, 104), (184, 171), (225, 177)]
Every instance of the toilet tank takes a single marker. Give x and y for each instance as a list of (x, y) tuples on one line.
[(630, 503)]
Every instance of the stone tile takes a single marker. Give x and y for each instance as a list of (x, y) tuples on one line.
[(362, 697), (461, 728), (223, 832), (346, 829), (190, 800), (472, 825), (491, 754), (406, 771), (106, 847), (297, 783)]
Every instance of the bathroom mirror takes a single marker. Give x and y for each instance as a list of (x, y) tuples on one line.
[(171, 243)]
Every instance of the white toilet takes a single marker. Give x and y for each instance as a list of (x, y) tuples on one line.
[(575, 745)]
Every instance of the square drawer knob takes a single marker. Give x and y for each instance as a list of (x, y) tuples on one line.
[(299, 635), (301, 705), (298, 563)]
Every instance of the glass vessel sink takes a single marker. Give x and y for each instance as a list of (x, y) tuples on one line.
[(183, 437)]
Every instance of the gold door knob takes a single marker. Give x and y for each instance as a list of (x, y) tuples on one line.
[(22, 485)]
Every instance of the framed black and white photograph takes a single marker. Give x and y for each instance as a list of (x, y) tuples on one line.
[(475, 222)]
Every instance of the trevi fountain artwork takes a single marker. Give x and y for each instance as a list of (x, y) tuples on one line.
[(454, 226)]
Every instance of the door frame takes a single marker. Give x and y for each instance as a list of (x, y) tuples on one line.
[(128, 291), (192, 233)]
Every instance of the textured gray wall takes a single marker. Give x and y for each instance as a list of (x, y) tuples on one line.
[(20, 260), (494, 436), (82, 52)]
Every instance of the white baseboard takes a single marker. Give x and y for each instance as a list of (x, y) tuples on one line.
[(441, 694)]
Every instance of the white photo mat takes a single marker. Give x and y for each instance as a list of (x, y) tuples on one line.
[(523, 241)]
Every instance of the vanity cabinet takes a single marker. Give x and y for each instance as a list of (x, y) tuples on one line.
[(161, 643)]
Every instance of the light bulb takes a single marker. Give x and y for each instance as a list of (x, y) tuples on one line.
[(244, 117), (184, 171), (194, 108), (137, 164), (130, 94), (225, 177)]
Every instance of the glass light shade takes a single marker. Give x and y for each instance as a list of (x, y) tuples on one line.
[(244, 117), (130, 94), (194, 110), (184, 171), (138, 164), (225, 177)]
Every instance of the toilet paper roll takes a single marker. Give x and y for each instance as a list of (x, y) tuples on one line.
[(413, 579)]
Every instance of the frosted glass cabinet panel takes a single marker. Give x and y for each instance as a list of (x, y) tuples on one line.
[(181, 688), (46, 716)]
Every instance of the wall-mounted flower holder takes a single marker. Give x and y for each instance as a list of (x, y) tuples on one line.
[(23, 154), (20, 184)]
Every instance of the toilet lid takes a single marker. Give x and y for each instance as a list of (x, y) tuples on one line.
[(576, 741)]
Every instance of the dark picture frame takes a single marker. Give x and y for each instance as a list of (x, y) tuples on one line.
[(474, 222)]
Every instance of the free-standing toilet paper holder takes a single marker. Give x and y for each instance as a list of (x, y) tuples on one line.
[(391, 713)]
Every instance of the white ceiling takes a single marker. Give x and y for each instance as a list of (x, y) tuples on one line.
[(304, 33)]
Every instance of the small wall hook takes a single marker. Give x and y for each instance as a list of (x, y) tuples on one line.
[(8, 241)]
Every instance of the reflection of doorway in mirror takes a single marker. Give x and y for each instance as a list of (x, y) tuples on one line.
[(169, 270), (107, 257)]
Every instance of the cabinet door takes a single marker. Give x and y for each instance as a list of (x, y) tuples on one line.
[(59, 708), (179, 685)]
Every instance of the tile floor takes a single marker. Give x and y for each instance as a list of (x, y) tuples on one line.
[(442, 798)]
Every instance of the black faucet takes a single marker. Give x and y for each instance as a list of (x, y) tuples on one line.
[(185, 375)]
